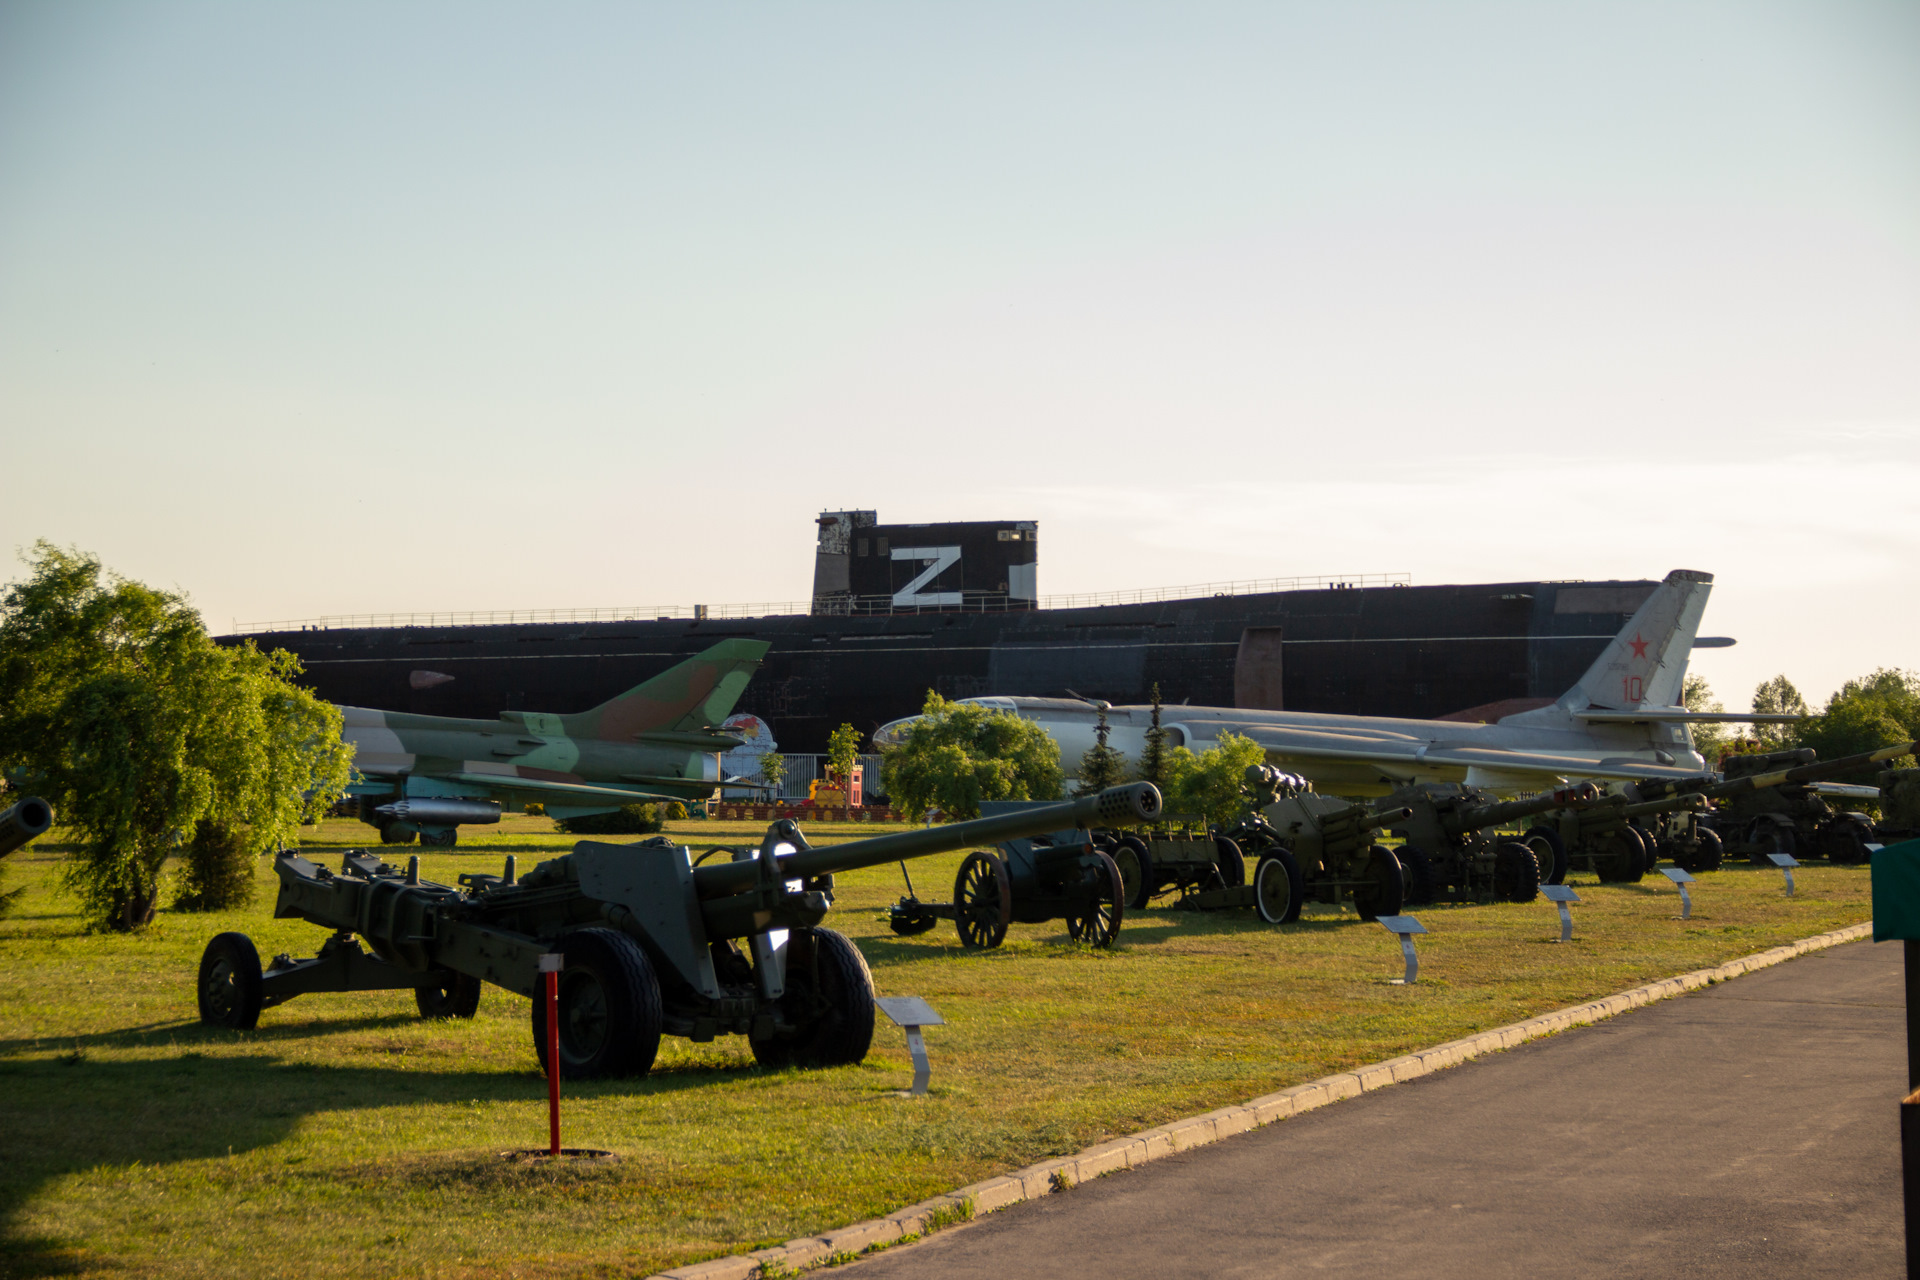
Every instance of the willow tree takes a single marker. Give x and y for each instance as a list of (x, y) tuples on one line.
[(151, 740)]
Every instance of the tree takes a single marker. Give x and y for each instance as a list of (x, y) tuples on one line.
[(773, 767), (1102, 766), (958, 754), (1708, 739), (1153, 760), (1777, 697), (843, 750), (150, 739), (1210, 783), (1866, 714)]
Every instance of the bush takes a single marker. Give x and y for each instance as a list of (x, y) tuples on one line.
[(218, 875), (1210, 783), (627, 820), (958, 754)]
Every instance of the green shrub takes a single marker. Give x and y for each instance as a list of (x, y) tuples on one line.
[(627, 820)]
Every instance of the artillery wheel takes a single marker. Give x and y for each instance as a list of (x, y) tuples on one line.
[(829, 1004), (1707, 857), (1620, 859), (1278, 887), (1098, 922), (609, 1007), (230, 992), (1516, 874), (1129, 853), (1769, 837), (440, 839), (1422, 881), (1385, 893), (1232, 863), (1549, 851), (982, 900), (909, 919), (1845, 847), (457, 997), (391, 834)]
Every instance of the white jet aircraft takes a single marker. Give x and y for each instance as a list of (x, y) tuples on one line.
[(1622, 720)]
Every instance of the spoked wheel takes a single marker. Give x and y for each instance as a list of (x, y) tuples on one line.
[(1278, 887), (1385, 890), (1549, 851), (1422, 880), (828, 1004), (1129, 853), (610, 1012), (1231, 862), (230, 994), (1097, 921), (1516, 876), (456, 997), (982, 901)]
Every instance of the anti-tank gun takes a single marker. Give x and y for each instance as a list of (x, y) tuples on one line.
[(1453, 852), (653, 942), (1310, 848)]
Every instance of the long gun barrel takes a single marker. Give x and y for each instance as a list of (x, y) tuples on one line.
[(1116, 806), (1660, 789), (1496, 815), (30, 818)]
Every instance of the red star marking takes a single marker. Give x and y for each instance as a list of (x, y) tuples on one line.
[(1639, 645)]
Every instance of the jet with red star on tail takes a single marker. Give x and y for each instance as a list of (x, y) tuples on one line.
[(1622, 720)]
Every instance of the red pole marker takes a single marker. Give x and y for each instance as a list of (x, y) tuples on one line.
[(550, 971)]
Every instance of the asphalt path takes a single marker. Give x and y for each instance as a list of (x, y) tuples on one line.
[(1749, 1129)]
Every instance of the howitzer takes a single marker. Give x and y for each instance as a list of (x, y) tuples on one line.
[(651, 939), (1309, 847), (1069, 875), (21, 823), (1452, 852), (1779, 813)]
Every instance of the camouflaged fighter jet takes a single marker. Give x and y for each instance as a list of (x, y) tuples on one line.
[(428, 775), (1622, 720)]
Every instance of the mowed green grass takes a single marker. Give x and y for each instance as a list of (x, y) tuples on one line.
[(347, 1137)]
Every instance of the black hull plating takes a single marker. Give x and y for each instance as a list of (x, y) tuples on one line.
[(1399, 651)]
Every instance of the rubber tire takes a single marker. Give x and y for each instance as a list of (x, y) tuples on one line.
[(1422, 880), (1643, 857), (440, 840), (1649, 849), (1772, 837), (1516, 873), (1387, 895), (389, 836), (1276, 867), (1843, 837), (1553, 862), (1132, 850), (612, 965), (1232, 863), (229, 986), (1710, 853), (1095, 926), (982, 925), (822, 962), (458, 997)]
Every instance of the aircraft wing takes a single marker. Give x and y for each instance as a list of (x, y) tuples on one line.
[(580, 792), (1661, 715), (1407, 756)]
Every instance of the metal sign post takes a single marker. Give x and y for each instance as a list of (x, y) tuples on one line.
[(550, 964), (1681, 880), (1786, 862), (1560, 895), (912, 1013), (1404, 927)]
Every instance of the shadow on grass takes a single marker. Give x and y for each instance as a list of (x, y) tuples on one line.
[(74, 1114)]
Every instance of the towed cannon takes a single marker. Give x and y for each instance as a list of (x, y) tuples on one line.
[(1453, 853), (1775, 811), (1309, 847), (30, 818), (652, 941), (1068, 874)]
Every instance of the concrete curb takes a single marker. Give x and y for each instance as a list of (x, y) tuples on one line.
[(1064, 1172)]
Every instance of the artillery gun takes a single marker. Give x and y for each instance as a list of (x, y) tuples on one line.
[(1309, 847), (1058, 875), (1452, 850), (1773, 804), (30, 818), (1180, 854), (652, 939)]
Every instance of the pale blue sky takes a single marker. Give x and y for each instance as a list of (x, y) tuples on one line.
[(314, 309)]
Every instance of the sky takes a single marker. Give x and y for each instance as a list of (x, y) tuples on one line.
[(317, 309)]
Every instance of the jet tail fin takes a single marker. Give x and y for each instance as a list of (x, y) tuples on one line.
[(1645, 665), (685, 698)]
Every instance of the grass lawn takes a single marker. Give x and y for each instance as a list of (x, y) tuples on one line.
[(347, 1137)]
